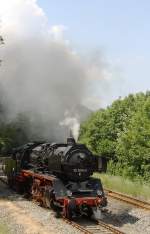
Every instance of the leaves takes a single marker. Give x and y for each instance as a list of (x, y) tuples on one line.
[(121, 132)]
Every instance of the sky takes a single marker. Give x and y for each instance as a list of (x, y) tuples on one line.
[(120, 30)]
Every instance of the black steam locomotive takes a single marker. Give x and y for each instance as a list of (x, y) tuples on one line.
[(59, 176)]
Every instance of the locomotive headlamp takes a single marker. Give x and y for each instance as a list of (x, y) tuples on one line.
[(69, 193), (99, 193)]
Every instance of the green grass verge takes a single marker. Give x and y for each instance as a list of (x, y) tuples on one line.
[(126, 186), (3, 229)]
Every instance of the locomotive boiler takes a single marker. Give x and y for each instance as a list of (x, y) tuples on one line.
[(58, 176)]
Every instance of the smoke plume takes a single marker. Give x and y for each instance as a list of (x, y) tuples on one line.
[(40, 75), (73, 124)]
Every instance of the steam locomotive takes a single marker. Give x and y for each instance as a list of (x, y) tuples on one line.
[(58, 176)]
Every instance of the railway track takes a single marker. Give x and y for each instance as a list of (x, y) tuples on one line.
[(94, 227), (91, 227), (127, 199)]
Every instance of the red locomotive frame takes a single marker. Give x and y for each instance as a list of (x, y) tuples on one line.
[(41, 182)]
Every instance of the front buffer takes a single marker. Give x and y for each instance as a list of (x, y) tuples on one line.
[(87, 206)]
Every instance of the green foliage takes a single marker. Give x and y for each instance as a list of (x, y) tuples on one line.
[(133, 146), (12, 133), (121, 133)]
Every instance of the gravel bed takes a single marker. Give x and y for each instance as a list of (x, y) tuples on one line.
[(25, 217), (127, 218), (17, 214)]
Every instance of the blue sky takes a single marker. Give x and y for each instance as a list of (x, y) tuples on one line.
[(120, 29)]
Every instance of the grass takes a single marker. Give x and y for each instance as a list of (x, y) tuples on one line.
[(126, 186), (3, 229)]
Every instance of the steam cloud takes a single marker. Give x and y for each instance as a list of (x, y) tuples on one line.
[(42, 80), (40, 74), (72, 123)]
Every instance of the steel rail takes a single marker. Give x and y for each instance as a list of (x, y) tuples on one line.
[(128, 199), (110, 228), (99, 227), (77, 226)]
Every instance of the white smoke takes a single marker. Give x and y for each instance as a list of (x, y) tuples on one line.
[(72, 123), (40, 75)]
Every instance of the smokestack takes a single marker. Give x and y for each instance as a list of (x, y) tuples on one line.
[(71, 141)]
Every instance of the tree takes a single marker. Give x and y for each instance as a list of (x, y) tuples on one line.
[(133, 146), (121, 132)]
